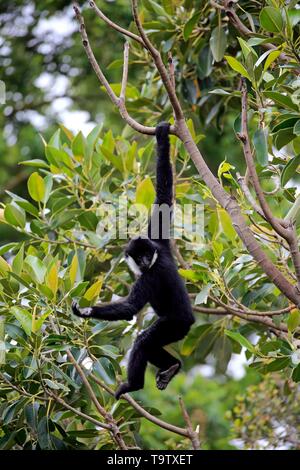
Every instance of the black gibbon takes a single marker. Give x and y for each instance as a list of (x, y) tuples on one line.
[(158, 283)]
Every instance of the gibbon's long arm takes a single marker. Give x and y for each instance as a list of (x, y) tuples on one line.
[(123, 309), (159, 224)]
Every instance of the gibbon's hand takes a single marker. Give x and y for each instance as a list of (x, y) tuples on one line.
[(162, 131), (81, 312)]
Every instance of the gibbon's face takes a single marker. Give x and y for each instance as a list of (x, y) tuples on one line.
[(140, 255)]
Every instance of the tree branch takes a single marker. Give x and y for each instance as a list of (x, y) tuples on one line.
[(194, 436), (115, 26), (225, 200), (143, 412), (249, 196), (120, 104), (113, 427), (86, 417), (229, 8), (282, 227), (277, 225), (158, 62), (125, 72)]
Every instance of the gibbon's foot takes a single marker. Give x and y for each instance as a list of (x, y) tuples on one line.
[(81, 312), (164, 377), (123, 388)]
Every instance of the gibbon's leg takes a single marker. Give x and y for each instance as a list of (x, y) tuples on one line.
[(167, 364), (164, 331)]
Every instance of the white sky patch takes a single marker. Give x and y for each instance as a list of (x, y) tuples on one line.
[(58, 27), (236, 365)]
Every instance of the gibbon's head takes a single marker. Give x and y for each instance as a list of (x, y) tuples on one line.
[(140, 254)]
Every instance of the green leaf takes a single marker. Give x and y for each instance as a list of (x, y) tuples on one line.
[(218, 43), (281, 100), (48, 187), (26, 205), (189, 274), (246, 48), (15, 215), (35, 163), (226, 224), (271, 20), (237, 66), (283, 137), (132, 93), (271, 58), (24, 318), (293, 320), (92, 139), (168, 6), (17, 263), (189, 26), (145, 193), (35, 268), (277, 364), (296, 128), (4, 267), (205, 62), (261, 146), (36, 187), (116, 161), (79, 145), (94, 290), (296, 374), (290, 170), (8, 246), (241, 340), (201, 298), (154, 7)]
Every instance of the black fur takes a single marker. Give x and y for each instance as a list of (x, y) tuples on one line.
[(160, 285)]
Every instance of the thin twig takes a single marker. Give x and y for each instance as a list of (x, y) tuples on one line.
[(113, 427), (143, 412), (102, 79), (77, 412), (249, 196), (115, 26), (279, 226), (194, 436)]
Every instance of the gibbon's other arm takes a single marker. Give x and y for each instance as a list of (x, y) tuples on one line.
[(159, 224), (123, 309)]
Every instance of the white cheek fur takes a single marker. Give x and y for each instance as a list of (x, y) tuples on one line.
[(133, 266), (153, 259)]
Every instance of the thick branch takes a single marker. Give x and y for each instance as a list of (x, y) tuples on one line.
[(158, 62), (238, 221)]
